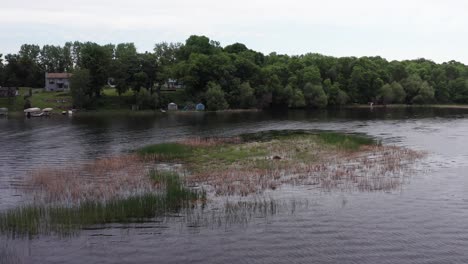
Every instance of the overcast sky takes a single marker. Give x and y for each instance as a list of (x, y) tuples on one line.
[(394, 29)]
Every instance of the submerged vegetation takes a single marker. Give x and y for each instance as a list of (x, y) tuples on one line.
[(165, 178)]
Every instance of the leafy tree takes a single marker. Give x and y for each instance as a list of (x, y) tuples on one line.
[(2, 70), (235, 48), (243, 96), (458, 90), (214, 96), (412, 84), (311, 75), (55, 58), (165, 55), (245, 76), (297, 99), (425, 94), (315, 96), (336, 96), (146, 100), (80, 86), (198, 44), (140, 80), (97, 60), (399, 93), (386, 95)]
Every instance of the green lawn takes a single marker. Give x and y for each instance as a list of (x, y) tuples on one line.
[(60, 101), (57, 100), (110, 99)]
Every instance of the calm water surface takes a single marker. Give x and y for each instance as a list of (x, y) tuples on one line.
[(423, 222)]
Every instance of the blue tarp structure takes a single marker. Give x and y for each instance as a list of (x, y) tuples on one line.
[(200, 107)]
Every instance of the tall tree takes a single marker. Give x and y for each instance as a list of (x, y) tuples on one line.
[(80, 86), (97, 60)]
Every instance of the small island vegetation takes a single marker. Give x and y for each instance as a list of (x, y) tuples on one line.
[(171, 178)]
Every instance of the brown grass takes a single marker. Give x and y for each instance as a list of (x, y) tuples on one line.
[(296, 161), (102, 179), (372, 168), (210, 142)]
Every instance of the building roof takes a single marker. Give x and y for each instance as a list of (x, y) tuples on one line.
[(58, 75)]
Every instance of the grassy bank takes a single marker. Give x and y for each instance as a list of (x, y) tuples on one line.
[(109, 100), (57, 100)]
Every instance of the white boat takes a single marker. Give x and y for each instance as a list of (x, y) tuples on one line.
[(33, 112), (3, 111), (47, 111)]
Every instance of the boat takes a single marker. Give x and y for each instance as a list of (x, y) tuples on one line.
[(47, 111), (3, 111), (33, 112)]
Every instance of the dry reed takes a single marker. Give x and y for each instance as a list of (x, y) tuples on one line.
[(102, 179), (210, 142), (372, 168)]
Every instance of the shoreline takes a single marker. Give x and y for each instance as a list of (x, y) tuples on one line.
[(157, 112)]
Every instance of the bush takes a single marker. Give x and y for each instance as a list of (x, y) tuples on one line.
[(315, 96), (215, 99)]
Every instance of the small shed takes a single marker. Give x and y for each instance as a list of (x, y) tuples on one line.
[(200, 107), (172, 106)]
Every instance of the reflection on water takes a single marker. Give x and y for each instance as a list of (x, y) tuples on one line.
[(424, 221)]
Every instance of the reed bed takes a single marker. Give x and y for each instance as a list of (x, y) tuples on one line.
[(253, 163), (102, 179), (9, 255), (128, 188), (210, 141), (59, 219), (372, 168)]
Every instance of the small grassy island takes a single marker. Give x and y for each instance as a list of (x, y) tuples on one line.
[(168, 178)]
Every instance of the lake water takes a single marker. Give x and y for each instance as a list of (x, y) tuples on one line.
[(422, 222)]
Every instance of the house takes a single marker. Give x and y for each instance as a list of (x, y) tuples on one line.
[(8, 91), (57, 81), (172, 85)]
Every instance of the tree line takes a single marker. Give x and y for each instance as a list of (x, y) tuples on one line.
[(235, 76)]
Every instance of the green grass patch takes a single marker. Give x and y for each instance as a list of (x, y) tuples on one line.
[(345, 141), (167, 151), (264, 136), (299, 144), (341, 140), (175, 193), (40, 98), (226, 154)]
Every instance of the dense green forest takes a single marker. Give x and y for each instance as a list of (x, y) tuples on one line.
[(235, 76)]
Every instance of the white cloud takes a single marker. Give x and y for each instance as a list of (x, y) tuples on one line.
[(395, 29)]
